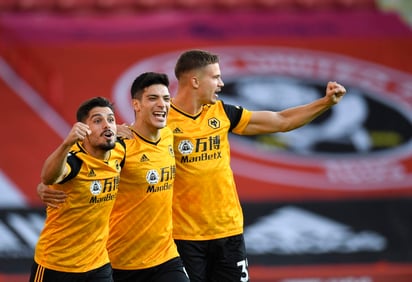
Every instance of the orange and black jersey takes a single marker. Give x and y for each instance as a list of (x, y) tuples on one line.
[(205, 201), (141, 234), (75, 234)]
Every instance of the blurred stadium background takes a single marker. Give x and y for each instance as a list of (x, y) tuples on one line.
[(329, 202)]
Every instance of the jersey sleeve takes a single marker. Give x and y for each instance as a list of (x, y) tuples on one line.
[(73, 165), (123, 143), (238, 116)]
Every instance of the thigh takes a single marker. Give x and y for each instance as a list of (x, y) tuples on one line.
[(139, 275), (172, 270), (195, 258), (230, 263)]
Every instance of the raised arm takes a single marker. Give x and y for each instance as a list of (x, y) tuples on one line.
[(262, 122), (54, 168)]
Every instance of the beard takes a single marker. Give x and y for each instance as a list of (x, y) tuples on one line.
[(110, 144)]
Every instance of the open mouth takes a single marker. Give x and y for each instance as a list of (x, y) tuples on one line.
[(160, 114), (108, 134)]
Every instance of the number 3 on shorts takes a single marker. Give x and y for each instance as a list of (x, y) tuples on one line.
[(245, 274)]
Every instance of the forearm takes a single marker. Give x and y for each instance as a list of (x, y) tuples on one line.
[(263, 122), (301, 115)]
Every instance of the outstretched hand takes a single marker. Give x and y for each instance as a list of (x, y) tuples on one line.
[(335, 92), (49, 196)]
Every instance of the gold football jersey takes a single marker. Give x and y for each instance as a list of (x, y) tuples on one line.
[(141, 220), (205, 201), (75, 234)]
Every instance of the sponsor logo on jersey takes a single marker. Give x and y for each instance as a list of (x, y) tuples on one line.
[(152, 176), (162, 177), (106, 198), (185, 147), (159, 188), (109, 186), (95, 188)]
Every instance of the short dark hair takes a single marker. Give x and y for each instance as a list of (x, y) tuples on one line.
[(87, 106), (194, 59), (145, 80)]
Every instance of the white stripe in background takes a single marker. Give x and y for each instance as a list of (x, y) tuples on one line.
[(10, 194), (33, 99)]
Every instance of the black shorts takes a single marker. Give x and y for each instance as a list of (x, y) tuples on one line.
[(218, 260), (169, 271), (42, 274)]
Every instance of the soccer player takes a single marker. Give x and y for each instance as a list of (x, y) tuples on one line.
[(86, 166), (207, 216), (141, 245)]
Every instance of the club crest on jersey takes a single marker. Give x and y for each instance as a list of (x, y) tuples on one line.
[(95, 188), (213, 123), (185, 147), (152, 176)]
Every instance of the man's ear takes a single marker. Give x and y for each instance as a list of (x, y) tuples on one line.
[(136, 104), (195, 82)]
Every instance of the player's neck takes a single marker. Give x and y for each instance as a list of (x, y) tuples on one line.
[(96, 152), (150, 134), (187, 104)]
